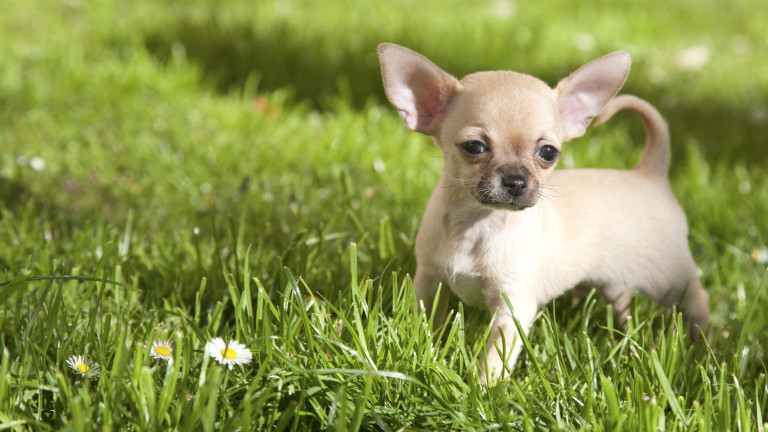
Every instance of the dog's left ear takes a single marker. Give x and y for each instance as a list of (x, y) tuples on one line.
[(419, 89), (583, 94)]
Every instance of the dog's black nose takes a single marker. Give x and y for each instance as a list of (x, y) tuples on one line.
[(515, 184)]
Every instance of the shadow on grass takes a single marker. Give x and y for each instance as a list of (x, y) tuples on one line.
[(229, 55)]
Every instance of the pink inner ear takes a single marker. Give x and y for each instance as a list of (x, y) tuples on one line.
[(577, 109), (404, 100), (434, 105), (583, 94), (426, 102), (415, 100), (415, 86)]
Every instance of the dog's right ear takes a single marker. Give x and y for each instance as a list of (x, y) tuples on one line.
[(418, 89), (583, 94)]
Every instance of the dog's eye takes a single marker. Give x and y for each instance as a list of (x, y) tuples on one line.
[(474, 147), (548, 153)]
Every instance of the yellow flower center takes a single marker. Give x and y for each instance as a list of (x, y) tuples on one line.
[(229, 353), (163, 351), (83, 368)]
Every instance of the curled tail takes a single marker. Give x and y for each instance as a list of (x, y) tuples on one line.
[(657, 154)]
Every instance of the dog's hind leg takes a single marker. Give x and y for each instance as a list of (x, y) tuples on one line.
[(619, 299), (695, 307)]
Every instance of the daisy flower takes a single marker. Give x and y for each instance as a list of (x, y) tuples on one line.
[(228, 353), (83, 366), (759, 255), (161, 349)]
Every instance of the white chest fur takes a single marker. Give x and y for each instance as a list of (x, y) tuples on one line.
[(493, 255)]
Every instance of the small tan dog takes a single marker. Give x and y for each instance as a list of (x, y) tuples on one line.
[(503, 223)]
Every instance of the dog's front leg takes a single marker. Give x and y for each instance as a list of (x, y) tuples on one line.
[(425, 285), (504, 344)]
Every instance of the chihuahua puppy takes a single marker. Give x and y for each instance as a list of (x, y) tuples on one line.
[(506, 231)]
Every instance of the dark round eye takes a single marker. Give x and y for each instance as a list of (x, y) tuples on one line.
[(474, 147), (548, 153)]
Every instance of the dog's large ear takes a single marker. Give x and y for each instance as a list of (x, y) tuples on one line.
[(583, 94), (418, 89)]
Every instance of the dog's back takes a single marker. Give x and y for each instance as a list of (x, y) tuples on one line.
[(655, 258)]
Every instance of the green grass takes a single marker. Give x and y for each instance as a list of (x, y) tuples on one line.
[(231, 169)]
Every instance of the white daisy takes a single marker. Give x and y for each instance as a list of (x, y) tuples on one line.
[(760, 255), (37, 164), (161, 349), (228, 353), (84, 366)]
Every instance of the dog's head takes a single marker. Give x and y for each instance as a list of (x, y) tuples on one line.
[(501, 132)]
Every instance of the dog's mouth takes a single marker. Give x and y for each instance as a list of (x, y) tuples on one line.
[(506, 195), (513, 206)]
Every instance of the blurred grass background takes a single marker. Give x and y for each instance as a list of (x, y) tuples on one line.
[(162, 144)]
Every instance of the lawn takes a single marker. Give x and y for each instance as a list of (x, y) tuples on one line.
[(177, 172)]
